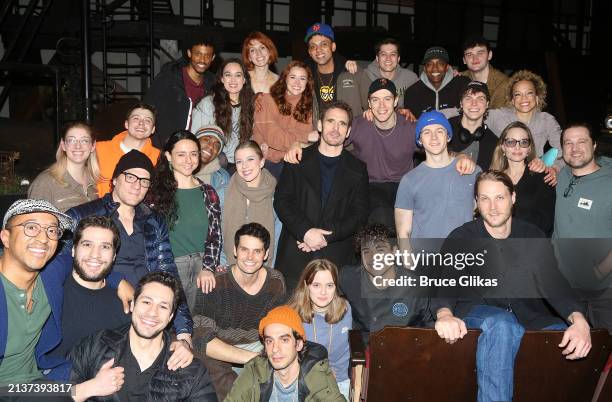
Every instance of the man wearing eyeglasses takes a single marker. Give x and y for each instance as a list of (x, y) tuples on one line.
[(145, 245), (583, 222), (139, 127), (30, 232), (31, 297)]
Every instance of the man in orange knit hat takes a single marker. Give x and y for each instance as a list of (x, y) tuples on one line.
[(139, 127), (276, 376)]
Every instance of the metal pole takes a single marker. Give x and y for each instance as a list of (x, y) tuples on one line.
[(86, 60), (58, 107), (151, 46), (5, 9), (104, 55)]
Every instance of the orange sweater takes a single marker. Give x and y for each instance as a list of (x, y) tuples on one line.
[(277, 130), (109, 153)]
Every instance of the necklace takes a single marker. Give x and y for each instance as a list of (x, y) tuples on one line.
[(384, 135), (326, 91), (392, 130), (331, 330)]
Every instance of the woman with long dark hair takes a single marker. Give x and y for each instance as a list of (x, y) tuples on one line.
[(535, 200), (326, 315), (229, 107), (285, 115), (258, 54), (71, 180), (192, 212)]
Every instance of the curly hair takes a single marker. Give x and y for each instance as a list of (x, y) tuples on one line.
[(266, 41), (223, 105), (373, 232), (536, 80), (303, 109), (161, 195)]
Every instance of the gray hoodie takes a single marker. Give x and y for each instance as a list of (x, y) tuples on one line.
[(353, 88)]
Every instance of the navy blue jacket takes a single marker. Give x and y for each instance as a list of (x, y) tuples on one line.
[(158, 252), (53, 277)]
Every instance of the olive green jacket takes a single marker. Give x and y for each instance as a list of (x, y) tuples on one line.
[(316, 381)]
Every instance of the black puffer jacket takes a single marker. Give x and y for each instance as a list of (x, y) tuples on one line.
[(189, 384), (167, 94)]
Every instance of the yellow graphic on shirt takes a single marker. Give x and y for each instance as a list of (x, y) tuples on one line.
[(327, 93)]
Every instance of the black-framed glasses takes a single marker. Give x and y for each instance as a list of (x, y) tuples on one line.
[(32, 229), (570, 187), (511, 142), (132, 178)]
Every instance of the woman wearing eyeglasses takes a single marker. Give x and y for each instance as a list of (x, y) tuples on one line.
[(192, 212), (535, 200), (71, 180), (526, 98)]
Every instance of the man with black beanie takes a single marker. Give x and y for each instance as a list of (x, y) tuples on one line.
[(438, 89)]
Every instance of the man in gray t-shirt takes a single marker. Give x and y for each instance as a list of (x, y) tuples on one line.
[(434, 198), (583, 223)]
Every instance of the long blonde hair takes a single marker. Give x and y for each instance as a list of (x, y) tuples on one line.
[(58, 169), (499, 160), (301, 301)]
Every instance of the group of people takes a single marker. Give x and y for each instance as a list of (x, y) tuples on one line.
[(248, 209)]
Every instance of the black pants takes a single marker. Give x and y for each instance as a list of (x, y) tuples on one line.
[(276, 168)]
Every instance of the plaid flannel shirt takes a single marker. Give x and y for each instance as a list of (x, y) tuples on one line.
[(214, 240)]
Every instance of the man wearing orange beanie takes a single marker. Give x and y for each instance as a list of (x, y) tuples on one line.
[(290, 365)]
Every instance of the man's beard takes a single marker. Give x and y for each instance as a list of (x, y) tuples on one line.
[(583, 164), (83, 275), (141, 335)]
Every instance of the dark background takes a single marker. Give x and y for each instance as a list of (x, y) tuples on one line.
[(566, 42)]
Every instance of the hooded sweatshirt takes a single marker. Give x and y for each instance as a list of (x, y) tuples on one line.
[(422, 95), (353, 88)]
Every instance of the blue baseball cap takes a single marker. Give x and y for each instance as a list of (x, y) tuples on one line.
[(429, 118), (320, 28)]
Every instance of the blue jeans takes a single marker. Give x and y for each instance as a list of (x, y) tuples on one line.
[(497, 347)]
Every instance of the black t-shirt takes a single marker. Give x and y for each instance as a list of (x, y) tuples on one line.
[(328, 171), (136, 385), (373, 308), (130, 259), (527, 266), (325, 87), (87, 311)]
